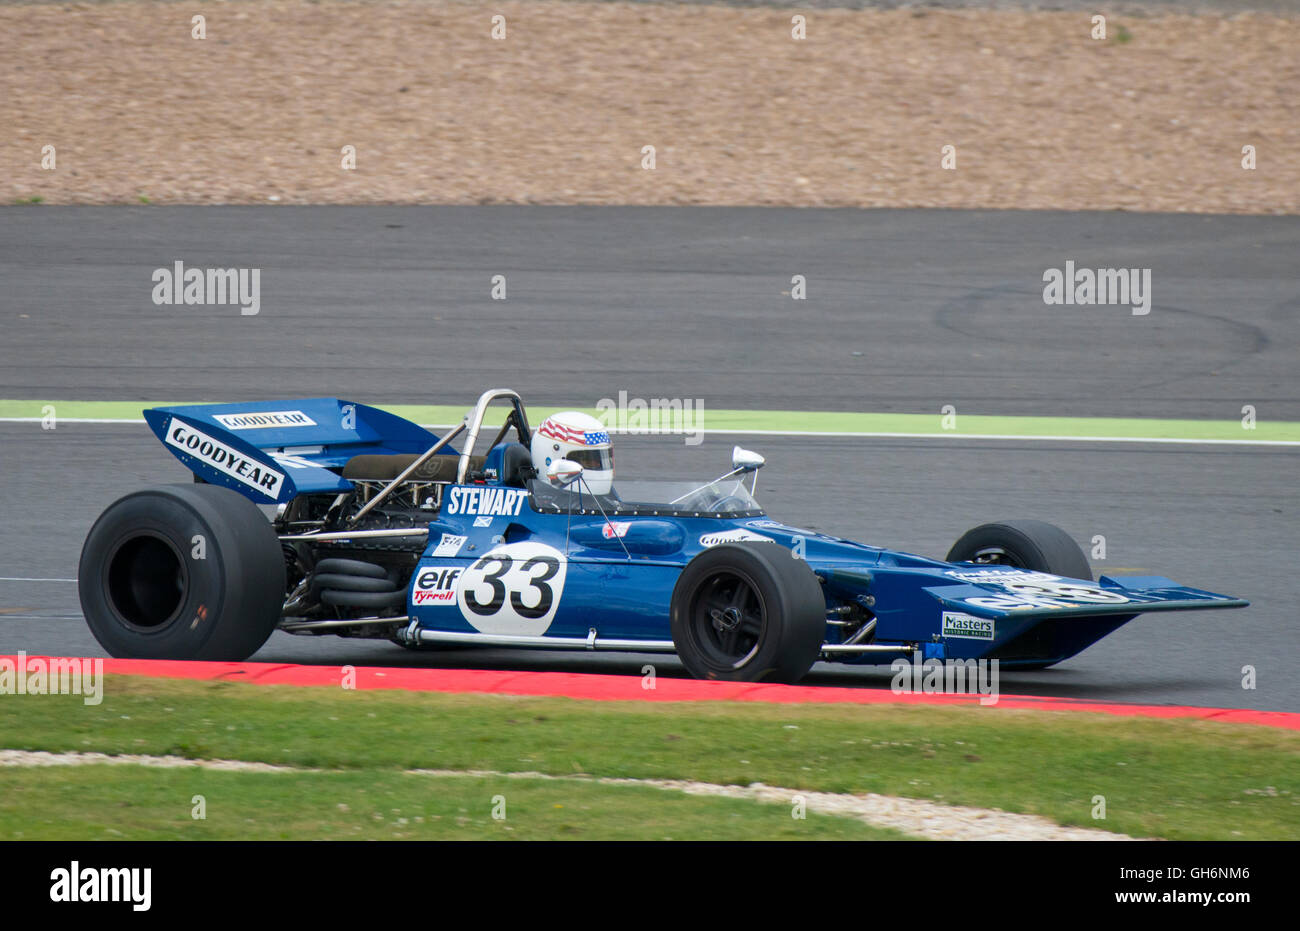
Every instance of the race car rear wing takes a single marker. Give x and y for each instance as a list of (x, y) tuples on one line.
[(273, 451)]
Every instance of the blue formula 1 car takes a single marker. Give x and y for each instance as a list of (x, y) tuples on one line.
[(382, 529)]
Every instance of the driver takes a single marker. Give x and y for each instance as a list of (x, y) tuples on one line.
[(582, 438)]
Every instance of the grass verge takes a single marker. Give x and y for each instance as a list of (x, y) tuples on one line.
[(99, 802), (1160, 778)]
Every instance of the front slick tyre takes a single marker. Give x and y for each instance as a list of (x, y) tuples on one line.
[(1023, 544), (748, 612), (182, 572)]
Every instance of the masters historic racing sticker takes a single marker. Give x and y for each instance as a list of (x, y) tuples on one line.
[(965, 625)]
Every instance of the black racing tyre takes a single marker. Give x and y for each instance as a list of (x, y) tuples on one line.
[(1023, 544), (182, 572), (748, 612)]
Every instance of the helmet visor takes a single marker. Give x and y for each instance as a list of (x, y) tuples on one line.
[(598, 460)]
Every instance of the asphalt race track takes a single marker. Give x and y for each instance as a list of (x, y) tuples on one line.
[(907, 310)]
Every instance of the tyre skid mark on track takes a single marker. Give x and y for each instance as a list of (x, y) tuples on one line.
[(600, 687)]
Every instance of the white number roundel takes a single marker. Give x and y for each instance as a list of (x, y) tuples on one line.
[(1066, 591), (514, 588)]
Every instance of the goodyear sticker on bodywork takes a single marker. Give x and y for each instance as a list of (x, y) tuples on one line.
[(217, 455), (264, 420), (733, 536)]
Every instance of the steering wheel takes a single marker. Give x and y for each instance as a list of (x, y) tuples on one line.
[(722, 503), (702, 501), (697, 500)]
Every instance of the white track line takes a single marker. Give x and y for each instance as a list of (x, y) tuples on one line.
[(121, 420), (41, 617), (16, 579), (937, 436)]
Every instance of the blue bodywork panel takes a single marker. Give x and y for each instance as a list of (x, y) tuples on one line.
[(499, 567)]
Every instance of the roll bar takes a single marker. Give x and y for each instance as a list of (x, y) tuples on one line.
[(474, 421)]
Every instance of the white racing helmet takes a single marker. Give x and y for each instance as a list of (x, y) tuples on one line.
[(581, 438)]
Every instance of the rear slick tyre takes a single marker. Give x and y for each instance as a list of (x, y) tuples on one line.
[(183, 572)]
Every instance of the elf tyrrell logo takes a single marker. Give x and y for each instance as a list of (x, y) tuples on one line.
[(259, 420), (435, 585), (486, 501), (195, 442), (80, 883)]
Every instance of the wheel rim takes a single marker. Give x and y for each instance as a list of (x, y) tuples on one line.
[(145, 579), (996, 556), (728, 615)]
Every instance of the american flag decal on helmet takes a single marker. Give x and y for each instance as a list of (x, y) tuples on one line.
[(558, 431)]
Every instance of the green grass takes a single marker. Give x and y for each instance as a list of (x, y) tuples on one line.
[(852, 422), (101, 802), (1161, 778)]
